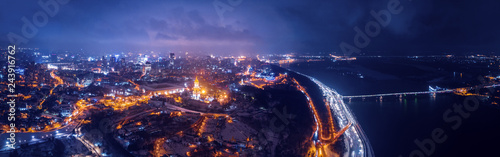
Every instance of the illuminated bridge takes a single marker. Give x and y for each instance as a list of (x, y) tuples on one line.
[(398, 94), (431, 91)]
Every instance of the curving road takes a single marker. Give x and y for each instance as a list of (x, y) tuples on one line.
[(356, 143)]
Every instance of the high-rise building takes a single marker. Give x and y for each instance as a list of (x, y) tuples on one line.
[(139, 59), (172, 58), (104, 62), (122, 62), (146, 69), (172, 55), (112, 61)]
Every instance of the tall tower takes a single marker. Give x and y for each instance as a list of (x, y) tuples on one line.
[(196, 89), (196, 83)]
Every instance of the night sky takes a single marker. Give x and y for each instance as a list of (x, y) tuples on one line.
[(257, 26)]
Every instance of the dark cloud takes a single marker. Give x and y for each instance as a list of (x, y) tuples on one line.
[(423, 27), (161, 36)]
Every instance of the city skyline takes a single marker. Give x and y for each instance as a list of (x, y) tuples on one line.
[(156, 78)]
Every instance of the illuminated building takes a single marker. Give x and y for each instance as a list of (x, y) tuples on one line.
[(161, 89), (196, 89), (145, 59), (146, 69)]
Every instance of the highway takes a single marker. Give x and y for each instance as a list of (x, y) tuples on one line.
[(355, 142)]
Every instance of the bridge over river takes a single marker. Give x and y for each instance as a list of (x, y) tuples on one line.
[(431, 91)]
